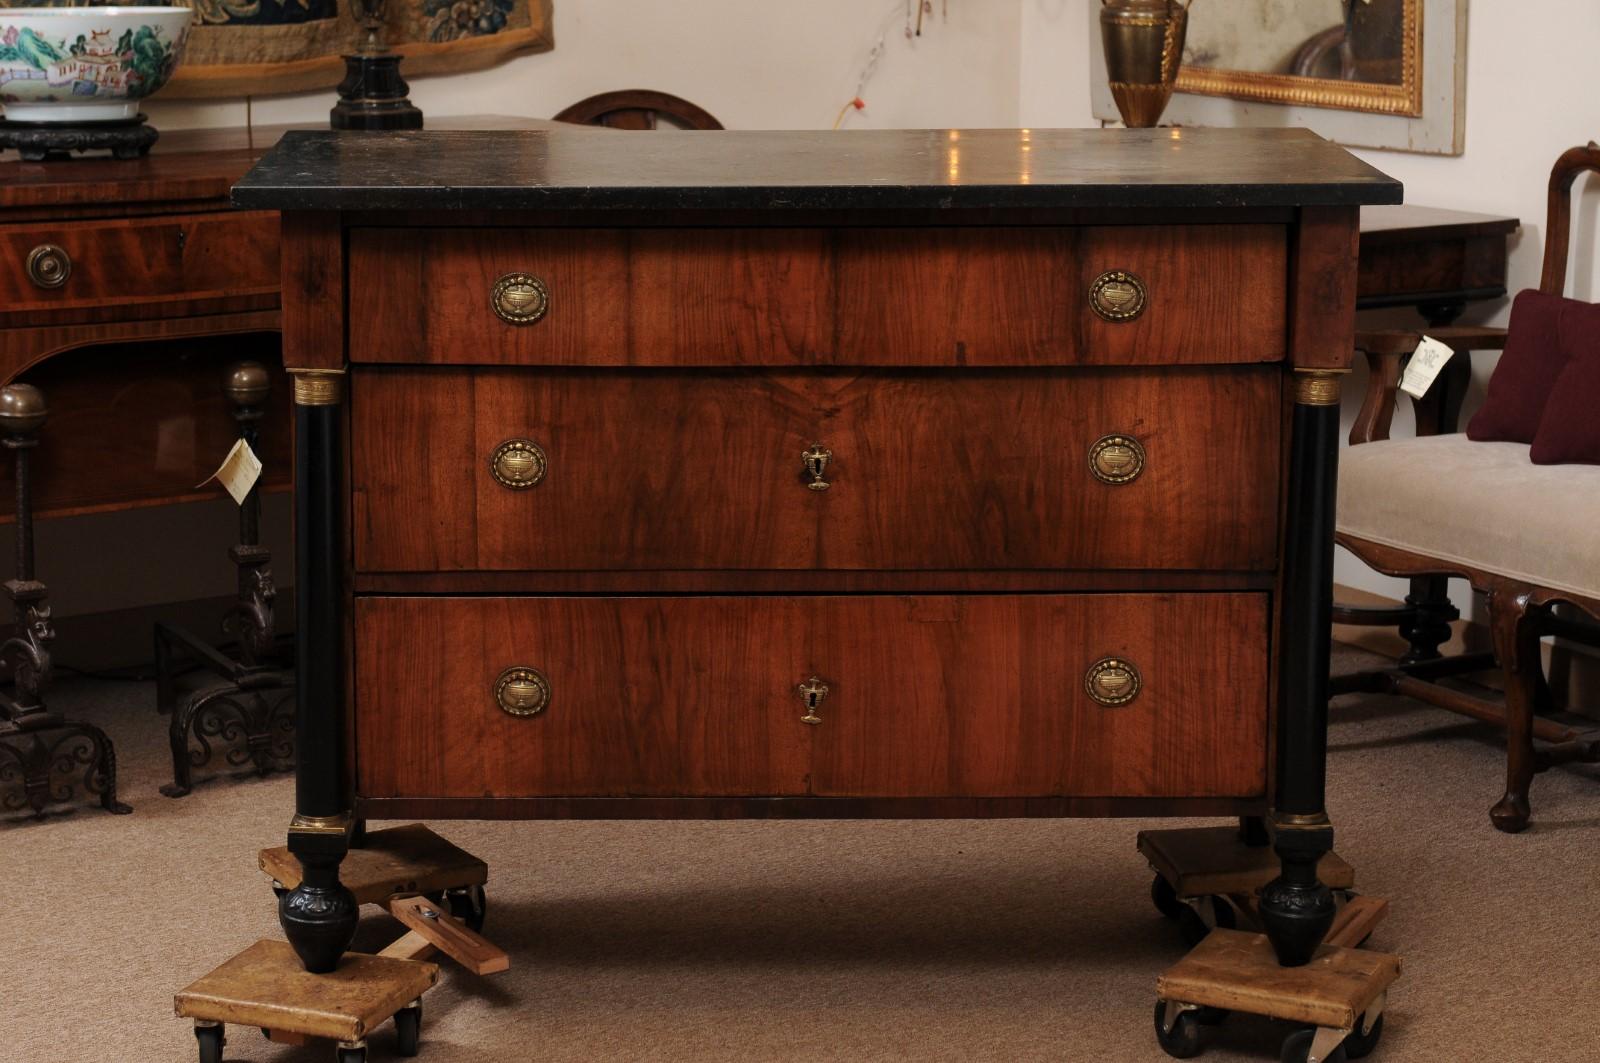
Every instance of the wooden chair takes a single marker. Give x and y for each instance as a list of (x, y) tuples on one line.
[(638, 109), (1521, 534)]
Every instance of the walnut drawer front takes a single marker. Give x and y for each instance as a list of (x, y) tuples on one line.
[(1039, 695), (117, 269), (686, 470), (1211, 294)]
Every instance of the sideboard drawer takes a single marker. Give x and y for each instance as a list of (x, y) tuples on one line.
[(703, 470), (138, 265), (1112, 695), (992, 296)]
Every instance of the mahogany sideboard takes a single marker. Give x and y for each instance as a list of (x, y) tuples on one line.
[(878, 474)]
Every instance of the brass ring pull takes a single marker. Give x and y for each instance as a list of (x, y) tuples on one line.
[(522, 691), (1116, 459), (518, 464), (49, 266), (520, 298), (812, 691), (1112, 681), (1118, 295), (816, 463)]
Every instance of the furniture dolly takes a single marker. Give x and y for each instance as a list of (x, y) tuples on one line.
[(406, 870)]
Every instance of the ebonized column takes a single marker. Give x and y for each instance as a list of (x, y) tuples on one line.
[(1296, 908), (319, 915)]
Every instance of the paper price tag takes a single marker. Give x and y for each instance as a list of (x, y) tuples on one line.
[(238, 472), (1425, 364)]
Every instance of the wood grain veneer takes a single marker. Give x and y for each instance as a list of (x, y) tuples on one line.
[(959, 696), (863, 297), (686, 470)]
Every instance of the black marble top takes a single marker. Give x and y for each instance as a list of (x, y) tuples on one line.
[(579, 168)]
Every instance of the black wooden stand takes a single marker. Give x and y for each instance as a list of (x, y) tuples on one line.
[(38, 141)]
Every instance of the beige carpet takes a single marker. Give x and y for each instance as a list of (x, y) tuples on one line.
[(1000, 940)]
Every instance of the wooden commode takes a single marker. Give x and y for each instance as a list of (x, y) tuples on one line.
[(874, 474)]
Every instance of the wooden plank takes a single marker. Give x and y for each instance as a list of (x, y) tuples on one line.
[(267, 987), (1356, 919), (1238, 971), (409, 946), (451, 937)]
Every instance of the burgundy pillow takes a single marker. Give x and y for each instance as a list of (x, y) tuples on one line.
[(1545, 332), (1570, 428)]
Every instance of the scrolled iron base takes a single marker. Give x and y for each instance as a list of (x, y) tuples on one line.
[(46, 763)]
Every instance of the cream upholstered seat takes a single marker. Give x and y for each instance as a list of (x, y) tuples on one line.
[(1481, 505)]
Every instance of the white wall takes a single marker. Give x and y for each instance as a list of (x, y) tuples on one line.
[(755, 64), (1530, 96)]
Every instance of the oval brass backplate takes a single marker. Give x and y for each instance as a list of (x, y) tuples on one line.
[(522, 691), (520, 298), (49, 266), (1112, 681), (518, 464), (1116, 459), (1117, 295)]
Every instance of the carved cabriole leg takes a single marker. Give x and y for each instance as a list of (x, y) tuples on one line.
[(1516, 650), (1296, 908), (319, 915)]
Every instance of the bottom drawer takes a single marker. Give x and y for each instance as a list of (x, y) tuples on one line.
[(962, 696)]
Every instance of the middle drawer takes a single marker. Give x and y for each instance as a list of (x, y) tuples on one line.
[(571, 470)]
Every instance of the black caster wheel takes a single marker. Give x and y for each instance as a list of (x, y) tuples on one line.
[(1211, 1016), (1166, 901), (408, 1027), (1183, 1040), (352, 1055), (1194, 926), (1297, 1048), (470, 906), (1360, 1045), (211, 1041)]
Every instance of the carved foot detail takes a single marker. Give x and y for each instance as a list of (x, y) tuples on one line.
[(320, 922), (1296, 919)]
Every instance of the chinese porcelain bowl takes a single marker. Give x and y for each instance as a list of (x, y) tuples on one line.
[(86, 64)]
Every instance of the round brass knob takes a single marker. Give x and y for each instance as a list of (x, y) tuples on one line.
[(518, 464), (49, 266), (22, 409), (1116, 459), (1117, 295), (1112, 681), (520, 298), (522, 691)]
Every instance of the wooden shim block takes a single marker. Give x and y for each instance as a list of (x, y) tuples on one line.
[(267, 987), (409, 946), (1198, 861), (287, 1037), (1238, 971), (405, 859), (449, 935), (1355, 921)]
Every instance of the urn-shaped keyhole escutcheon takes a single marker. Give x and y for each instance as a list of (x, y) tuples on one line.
[(812, 691), (816, 462)]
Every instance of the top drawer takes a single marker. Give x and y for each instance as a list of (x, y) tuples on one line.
[(120, 269), (1171, 295)]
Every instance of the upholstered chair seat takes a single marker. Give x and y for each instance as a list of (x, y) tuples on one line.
[(1481, 506)]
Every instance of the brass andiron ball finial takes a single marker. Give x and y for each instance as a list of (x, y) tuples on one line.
[(1143, 42), (22, 410), (247, 384)]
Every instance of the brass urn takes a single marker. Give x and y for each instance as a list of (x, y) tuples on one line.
[(1144, 45)]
